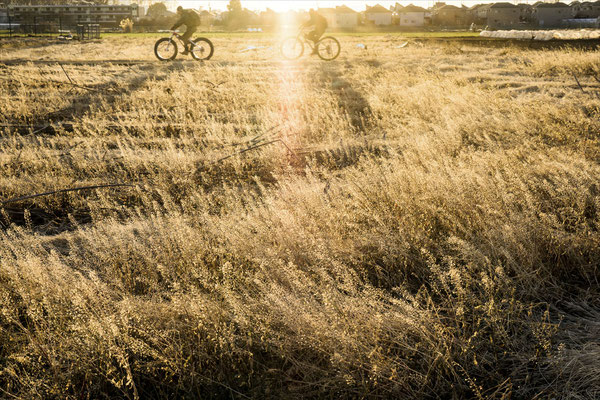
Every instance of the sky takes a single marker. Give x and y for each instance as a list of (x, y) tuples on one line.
[(285, 5)]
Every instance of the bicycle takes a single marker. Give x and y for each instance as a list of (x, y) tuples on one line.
[(166, 49), (328, 47)]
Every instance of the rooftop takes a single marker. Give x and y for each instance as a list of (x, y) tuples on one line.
[(550, 5), (344, 10), (503, 5), (412, 8), (378, 9), (480, 6), (448, 7)]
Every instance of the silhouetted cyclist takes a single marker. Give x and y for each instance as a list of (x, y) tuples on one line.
[(191, 20), (320, 24)]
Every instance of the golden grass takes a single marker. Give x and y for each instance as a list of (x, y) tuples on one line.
[(420, 222)]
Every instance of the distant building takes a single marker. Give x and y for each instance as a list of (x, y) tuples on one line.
[(551, 15), (438, 5), (170, 4), (340, 17), (104, 15), (345, 17), (478, 14), (448, 15), (3, 14), (378, 15), (503, 16), (397, 8), (525, 13), (586, 9), (412, 16)]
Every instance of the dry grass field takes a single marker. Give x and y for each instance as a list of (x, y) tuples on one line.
[(403, 222)]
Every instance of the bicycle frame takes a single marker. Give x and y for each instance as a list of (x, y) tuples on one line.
[(302, 37), (178, 37)]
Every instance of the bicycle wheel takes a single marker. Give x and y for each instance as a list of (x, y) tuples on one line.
[(165, 49), (202, 49), (328, 48), (292, 48)]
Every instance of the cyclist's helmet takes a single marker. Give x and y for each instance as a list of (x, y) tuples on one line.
[(179, 9)]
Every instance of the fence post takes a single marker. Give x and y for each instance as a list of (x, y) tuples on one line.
[(9, 24), (34, 25)]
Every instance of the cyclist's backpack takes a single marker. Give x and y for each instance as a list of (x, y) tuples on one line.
[(192, 17)]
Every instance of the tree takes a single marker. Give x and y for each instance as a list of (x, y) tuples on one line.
[(236, 17), (156, 10), (235, 7), (127, 25)]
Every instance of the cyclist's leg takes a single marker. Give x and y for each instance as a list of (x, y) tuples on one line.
[(187, 36), (318, 34), (313, 37)]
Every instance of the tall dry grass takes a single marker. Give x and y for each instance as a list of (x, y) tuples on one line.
[(427, 226)]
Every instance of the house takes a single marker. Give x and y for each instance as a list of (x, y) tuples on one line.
[(378, 15), (436, 6), (340, 17), (412, 16), (575, 8), (74, 14), (586, 9), (503, 16), (525, 13), (3, 14), (449, 15), (345, 17), (478, 14), (170, 4), (551, 15)]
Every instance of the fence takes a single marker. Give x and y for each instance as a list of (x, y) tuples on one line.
[(49, 27), (88, 31)]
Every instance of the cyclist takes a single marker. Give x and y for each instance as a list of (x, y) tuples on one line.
[(320, 24), (191, 20)]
